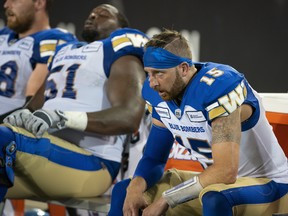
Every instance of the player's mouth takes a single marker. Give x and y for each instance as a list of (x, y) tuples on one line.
[(88, 24), (162, 93), (10, 15)]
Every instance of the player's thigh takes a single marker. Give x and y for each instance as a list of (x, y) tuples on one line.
[(56, 168), (170, 179), (43, 178), (250, 196)]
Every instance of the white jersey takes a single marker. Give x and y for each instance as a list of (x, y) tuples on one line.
[(78, 74), (18, 58), (217, 90)]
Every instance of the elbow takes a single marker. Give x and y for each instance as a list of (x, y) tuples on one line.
[(229, 176), (230, 179), (225, 174), (132, 126)]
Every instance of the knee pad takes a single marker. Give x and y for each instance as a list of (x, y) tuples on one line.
[(216, 204), (7, 156), (7, 159)]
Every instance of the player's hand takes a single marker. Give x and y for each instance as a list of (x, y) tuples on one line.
[(18, 117), (42, 120), (134, 202), (157, 208)]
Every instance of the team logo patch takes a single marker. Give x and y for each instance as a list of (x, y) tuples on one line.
[(25, 44), (178, 113), (92, 47), (163, 112), (195, 116)]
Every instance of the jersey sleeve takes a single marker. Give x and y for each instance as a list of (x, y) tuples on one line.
[(45, 43), (5, 30), (223, 89), (152, 99), (123, 42)]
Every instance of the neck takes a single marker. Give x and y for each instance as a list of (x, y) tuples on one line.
[(41, 24), (180, 96)]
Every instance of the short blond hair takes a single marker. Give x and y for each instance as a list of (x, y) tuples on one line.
[(172, 41)]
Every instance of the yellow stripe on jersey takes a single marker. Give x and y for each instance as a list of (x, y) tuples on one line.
[(216, 112), (245, 91), (47, 48), (119, 41), (149, 108)]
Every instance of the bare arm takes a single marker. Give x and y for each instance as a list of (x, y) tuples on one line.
[(36, 87), (36, 79), (124, 92), (226, 135)]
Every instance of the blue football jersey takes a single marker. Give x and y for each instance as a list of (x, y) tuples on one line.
[(215, 91)]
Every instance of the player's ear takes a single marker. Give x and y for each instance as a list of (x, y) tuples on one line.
[(40, 4), (184, 68)]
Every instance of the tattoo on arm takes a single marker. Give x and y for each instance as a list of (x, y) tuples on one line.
[(227, 129)]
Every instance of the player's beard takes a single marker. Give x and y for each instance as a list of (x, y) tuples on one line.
[(90, 35), (176, 89), (21, 24)]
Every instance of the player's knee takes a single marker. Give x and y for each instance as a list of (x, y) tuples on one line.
[(7, 156), (6, 136), (216, 202)]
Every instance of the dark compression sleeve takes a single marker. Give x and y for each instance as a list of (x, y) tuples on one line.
[(157, 149)]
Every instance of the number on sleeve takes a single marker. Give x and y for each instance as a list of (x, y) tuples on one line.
[(214, 73)]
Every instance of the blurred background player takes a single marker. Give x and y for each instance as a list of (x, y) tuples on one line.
[(25, 46), (97, 87)]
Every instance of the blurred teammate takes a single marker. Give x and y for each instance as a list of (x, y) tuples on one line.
[(211, 109), (25, 47), (97, 87)]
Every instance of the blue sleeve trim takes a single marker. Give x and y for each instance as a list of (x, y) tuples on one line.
[(157, 149)]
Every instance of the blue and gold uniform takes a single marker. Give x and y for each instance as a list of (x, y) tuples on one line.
[(71, 163), (218, 90)]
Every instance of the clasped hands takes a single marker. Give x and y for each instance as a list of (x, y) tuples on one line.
[(37, 122), (135, 202)]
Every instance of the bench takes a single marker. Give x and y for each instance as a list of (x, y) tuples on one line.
[(99, 204), (277, 113)]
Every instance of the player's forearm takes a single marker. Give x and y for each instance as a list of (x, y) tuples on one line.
[(137, 185), (115, 121), (225, 166)]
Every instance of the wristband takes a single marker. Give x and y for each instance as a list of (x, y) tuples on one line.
[(76, 120), (183, 192)]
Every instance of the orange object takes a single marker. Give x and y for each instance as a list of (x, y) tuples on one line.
[(54, 210), (19, 207), (279, 122)]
